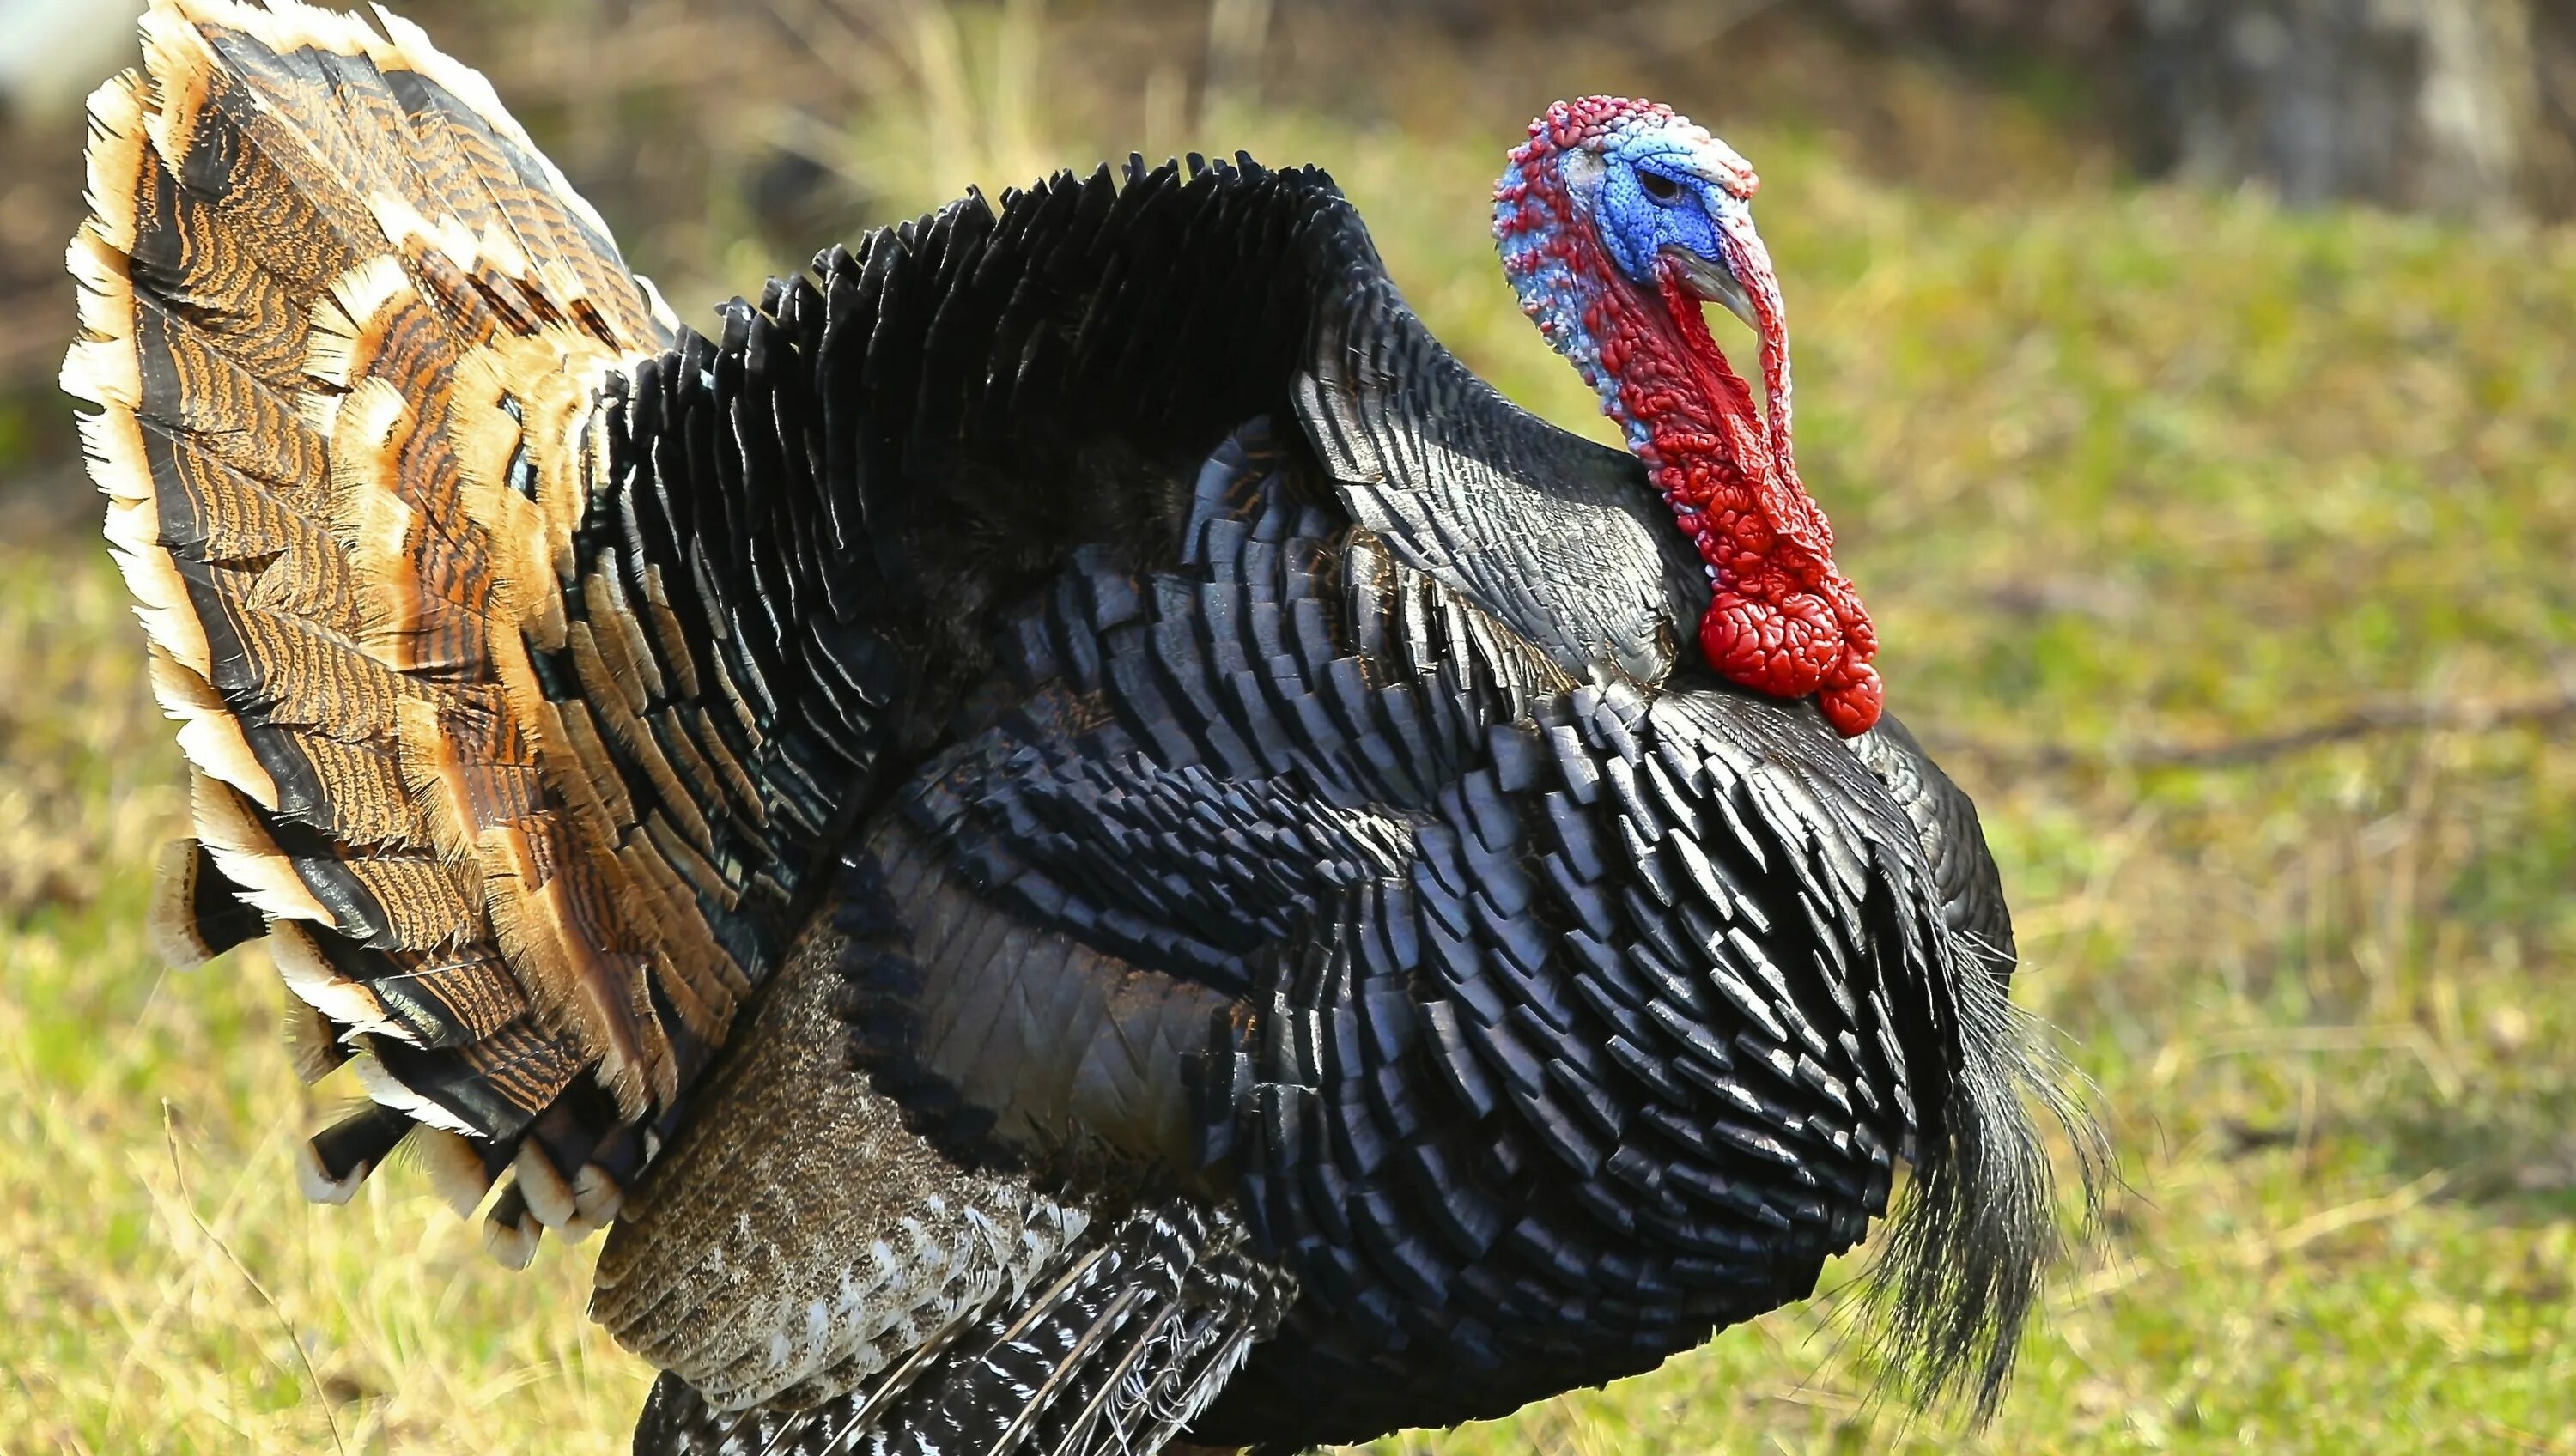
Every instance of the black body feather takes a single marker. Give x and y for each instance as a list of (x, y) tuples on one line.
[(1263, 781)]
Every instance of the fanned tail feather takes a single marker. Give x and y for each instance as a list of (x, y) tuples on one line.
[(345, 333)]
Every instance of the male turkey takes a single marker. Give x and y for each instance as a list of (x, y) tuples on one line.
[(1072, 834)]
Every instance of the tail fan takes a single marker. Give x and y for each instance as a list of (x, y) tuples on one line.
[(347, 335), (1120, 1350)]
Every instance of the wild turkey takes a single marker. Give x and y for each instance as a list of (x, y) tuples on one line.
[(1071, 833)]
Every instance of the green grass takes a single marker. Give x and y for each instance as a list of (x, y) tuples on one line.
[(2120, 471)]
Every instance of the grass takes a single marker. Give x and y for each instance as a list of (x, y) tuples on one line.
[(2126, 474)]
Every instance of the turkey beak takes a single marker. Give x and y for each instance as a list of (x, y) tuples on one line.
[(1711, 282)]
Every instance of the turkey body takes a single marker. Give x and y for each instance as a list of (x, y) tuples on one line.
[(1330, 835), (1193, 887)]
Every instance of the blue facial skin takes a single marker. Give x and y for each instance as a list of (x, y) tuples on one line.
[(1636, 224), (1633, 226)]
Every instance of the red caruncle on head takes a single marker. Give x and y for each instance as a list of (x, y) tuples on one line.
[(1617, 221)]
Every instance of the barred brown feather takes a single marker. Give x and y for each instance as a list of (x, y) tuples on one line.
[(345, 329)]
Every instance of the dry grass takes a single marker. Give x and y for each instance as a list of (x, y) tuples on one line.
[(2117, 468)]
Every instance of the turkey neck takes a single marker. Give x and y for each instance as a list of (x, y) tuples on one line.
[(1722, 466), (1683, 409), (1782, 619)]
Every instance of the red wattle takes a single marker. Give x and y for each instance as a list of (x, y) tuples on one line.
[(1783, 647), (1853, 707), (1782, 619)]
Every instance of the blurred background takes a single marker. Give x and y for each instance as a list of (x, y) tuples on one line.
[(2190, 385)]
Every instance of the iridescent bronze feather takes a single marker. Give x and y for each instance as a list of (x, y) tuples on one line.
[(345, 330)]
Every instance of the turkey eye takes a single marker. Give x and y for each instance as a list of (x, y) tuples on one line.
[(1660, 187)]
